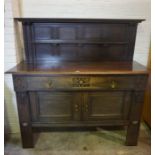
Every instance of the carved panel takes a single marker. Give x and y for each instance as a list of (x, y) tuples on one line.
[(81, 82)]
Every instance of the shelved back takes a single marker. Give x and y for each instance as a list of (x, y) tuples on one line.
[(79, 39)]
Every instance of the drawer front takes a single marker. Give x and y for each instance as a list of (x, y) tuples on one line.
[(80, 82)]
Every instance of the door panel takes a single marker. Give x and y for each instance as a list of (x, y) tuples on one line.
[(100, 106), (54, 106)]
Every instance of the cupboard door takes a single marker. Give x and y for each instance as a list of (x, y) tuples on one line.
[(54, 107), (100, 106)]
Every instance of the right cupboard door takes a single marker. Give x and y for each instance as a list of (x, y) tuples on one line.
[(108, 105)]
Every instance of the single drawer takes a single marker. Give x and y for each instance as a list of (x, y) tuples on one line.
[(107, 82)]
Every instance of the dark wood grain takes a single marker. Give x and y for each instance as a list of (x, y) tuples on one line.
[(79, 73), (74, 20), (79, 82), (81, 68), (25, 119), (79, 39), (100, 106), (135, 118), (55, 107)]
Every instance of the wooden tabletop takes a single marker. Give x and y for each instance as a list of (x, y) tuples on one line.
[(71, 68), (76, 20)]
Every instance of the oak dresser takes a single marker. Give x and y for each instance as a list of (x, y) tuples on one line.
[(79, 73)]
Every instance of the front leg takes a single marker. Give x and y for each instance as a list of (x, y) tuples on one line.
[(135, 117), (24, 118), (132, 133)]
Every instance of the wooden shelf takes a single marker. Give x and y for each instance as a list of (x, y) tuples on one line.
[(77, 42)]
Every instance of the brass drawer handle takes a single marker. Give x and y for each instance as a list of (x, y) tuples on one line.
[(81, 82), (49, 84), (76, 107), (25, 124), (134, 122), (113, 84)]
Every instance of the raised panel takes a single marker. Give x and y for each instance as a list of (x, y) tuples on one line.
[(106, 32), (119, 37), (46, 31), (107, 105), (55, 104), (68, 52), (92, 31), (102, 52), (112, 105), (72, 52), (48, 49), (67, 32), (42, 32), (80, 42), (54, 107), (56, 52), (116, 52)]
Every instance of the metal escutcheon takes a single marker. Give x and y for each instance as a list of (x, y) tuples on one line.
[(49, 84), (24, 124), (113, 84)]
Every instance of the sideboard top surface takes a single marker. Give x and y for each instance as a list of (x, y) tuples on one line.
[(84, 20), (83, 68)]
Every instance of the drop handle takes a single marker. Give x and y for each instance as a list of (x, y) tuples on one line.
[(76, 107), (49, 84), (81, 82), (113, 84), (25, 124)]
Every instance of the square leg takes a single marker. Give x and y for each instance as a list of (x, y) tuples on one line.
[(132, 133), (24, 118), (26, 135)]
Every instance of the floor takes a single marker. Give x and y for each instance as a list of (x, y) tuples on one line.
[(100, 142)]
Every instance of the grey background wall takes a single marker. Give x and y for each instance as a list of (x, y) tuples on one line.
[(71, 9)]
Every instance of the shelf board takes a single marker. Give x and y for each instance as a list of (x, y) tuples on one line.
[(77, 42)]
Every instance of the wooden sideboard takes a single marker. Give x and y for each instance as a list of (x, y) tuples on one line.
[(79, 73)]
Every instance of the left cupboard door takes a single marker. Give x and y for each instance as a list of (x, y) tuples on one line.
[(55, 107)]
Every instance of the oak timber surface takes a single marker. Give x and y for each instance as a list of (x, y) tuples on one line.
[(79, 68), (74, 20), (79, 73)]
